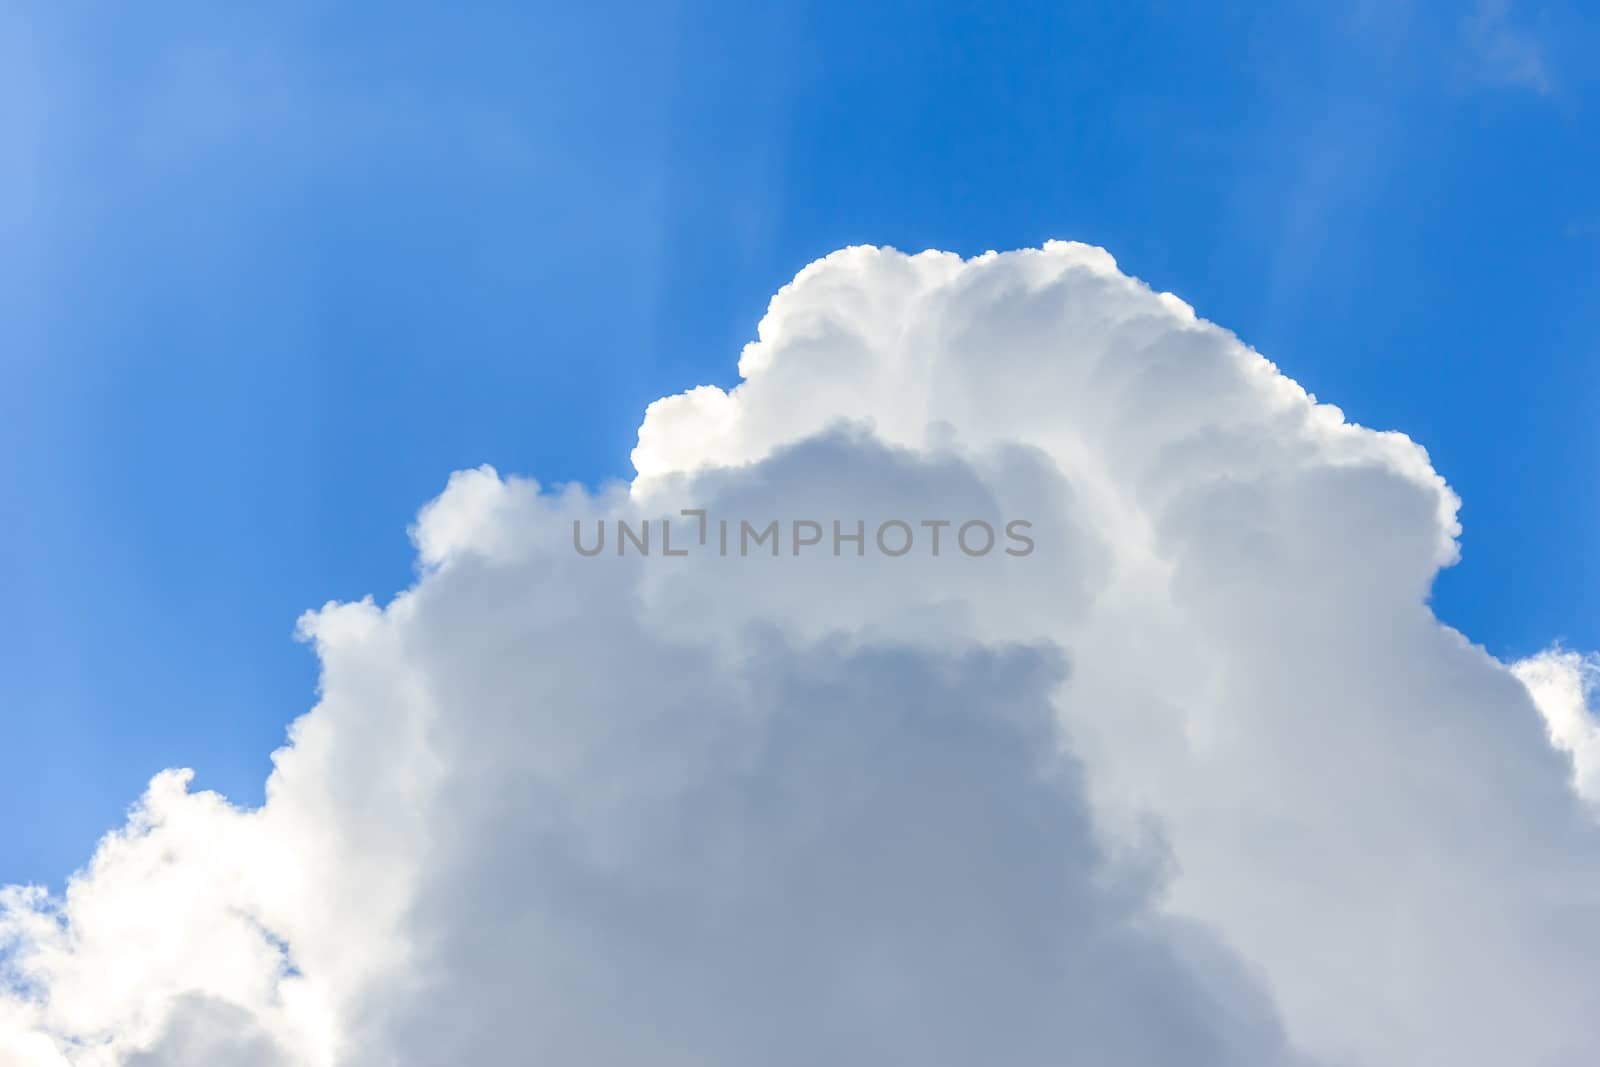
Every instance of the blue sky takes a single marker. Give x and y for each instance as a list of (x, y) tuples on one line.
[(267, 277)]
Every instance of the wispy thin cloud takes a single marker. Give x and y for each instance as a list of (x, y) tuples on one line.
[(1504, 49)]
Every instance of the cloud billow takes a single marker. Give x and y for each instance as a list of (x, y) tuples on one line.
[(1201, 780)]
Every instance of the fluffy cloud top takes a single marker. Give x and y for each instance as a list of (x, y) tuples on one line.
[(1563, 685), (1198, 780)]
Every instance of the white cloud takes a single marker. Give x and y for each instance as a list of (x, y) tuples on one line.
[(1200, 780), (1563, 684)]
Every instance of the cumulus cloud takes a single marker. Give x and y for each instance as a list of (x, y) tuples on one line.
[(1563, 684), (1199, 779)]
